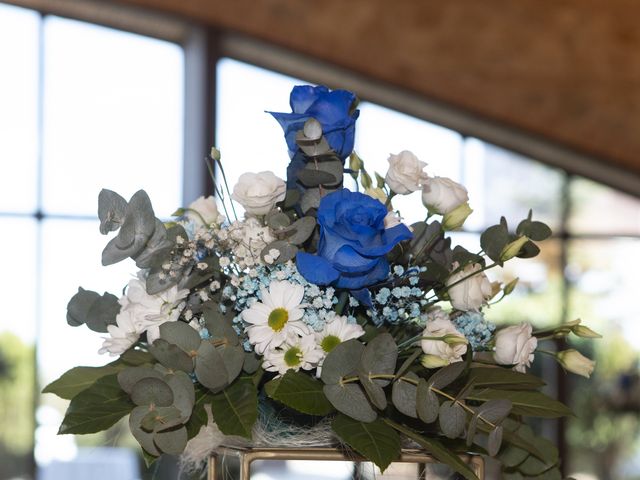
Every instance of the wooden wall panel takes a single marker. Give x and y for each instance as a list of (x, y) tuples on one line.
[(567, 70)]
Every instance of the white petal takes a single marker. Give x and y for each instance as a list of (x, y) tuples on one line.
[(258, 314)]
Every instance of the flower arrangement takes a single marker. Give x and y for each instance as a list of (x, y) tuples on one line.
[(320, 300)]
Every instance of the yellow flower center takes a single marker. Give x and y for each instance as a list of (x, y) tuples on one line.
[(330, 342), (278, 318), (292, 357)]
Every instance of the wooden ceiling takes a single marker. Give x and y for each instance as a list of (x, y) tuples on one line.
[(564, 70)]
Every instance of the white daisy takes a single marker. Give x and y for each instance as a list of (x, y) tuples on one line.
[(336, 331), (276, 317), (123, 336), (295, 354)]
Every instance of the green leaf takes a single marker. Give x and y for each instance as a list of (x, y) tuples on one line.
[(536, 231), (403, 396), (437, 449), (349, 399), (172, 442), (374, 391), (152, 391), (452, 419), (199, 416), (495, 441), (134, 358), (96, 408), (171, 356), (376, 441), (427, 404), (94, 310), (128, 377), (233, 359), (446, 375), (504, 379), (210, 370), (380, 357), (235, 409), (528, 403), (341, 361), (111, 210), (74, 381), (493, 240), (408, 362), (180, 334), (300, 392)]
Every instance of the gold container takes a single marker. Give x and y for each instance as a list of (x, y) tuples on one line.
[(235, 463)]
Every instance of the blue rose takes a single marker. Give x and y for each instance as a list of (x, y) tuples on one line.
[(353, 242), (333, 109)]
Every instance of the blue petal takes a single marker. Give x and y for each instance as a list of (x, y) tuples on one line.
[(303, 96), (354, 282), (316, 269), (389, 239), (363, 295), (347, 260), (332, 107)]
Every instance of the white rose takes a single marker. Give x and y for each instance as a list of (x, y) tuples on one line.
[(405, 173), (439, 325), (259, 192), (472, 293), (515, 346), (442, 195), (203, 211)]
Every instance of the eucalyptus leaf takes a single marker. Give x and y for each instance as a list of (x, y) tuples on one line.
[(350, 399), (300, 231), (183, 390), (343, 360), (495, 410), (199, 417), (144, 438), (172, 442), (195, 276), (128, 377), (403, 395), (285, 250), (536, 231), (111, 211), (427, 404), (380, 357), (158, 246), (210, 370), (446, 375), (251, 362), (161, 418), (152, 391), (310, 200), (495, 441), (233, 359), (493, 240), (452, 419), (312, 147), (529, 250), (310, 177), (219, 326), (235, 409), (96, 408), (511, 456), (181, 335), (171, 356), (373, 390), (375, 440), (94, 310), (158, 281), (277, 220)]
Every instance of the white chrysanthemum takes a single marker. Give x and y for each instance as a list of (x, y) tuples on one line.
[(336, 331), (295, 354), (123, 336), (147, 312), (276, 317)]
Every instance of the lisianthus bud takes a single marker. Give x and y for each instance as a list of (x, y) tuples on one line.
[(515, 346), (376, 193), (456, 218), (442, 195), (433, 361), (203, 211), (513, 248), (215, 154), (585, 332), (355, 163), (573, 361), (455, 339), (405, 173)]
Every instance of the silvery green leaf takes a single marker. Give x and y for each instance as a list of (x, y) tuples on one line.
[(158, 246), (94, 310), (529, 250), (534, 230), (374, 391), (451, 419), (310, 199), (511, 456), (310, 177), (171, 356), (233, 358), (251, 362), (427, 405), (403, 396), (136, 230), (150, 391), (194, 277), (495, 441), (180, 334), (184, 395), (161, 418), (494, 410), (111, 211), (300, 231), (493, 240), (158, 281), (128, 377), (210, 370), (471, 429), (278, 220), (291, 198), (446, 375), (380, 357), (312, 147), (349, 399), (145, 439), (286, 250), (219, 325), (333, 166), (171, 441), (343, 360)]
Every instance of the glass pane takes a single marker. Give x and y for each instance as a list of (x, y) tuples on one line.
[(19, 108), (249, 139), (596, 208), (381, 131), (17, 336), (113, 117), (503, 183), (603, 436)]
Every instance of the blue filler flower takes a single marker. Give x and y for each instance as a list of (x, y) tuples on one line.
[(353, 242), (333, 109)]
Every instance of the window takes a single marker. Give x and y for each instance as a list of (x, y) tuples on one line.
[(83, 107)]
